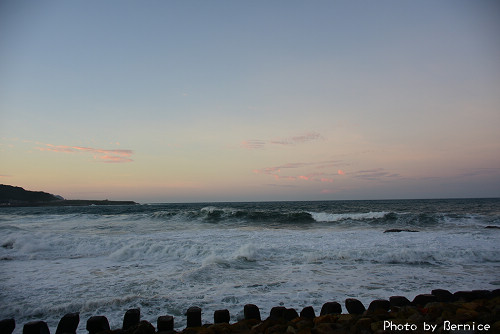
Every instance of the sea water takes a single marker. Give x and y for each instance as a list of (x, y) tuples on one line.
[(164, 258)]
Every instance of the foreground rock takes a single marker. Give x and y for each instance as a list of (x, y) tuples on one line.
[(459, 316), (476, 311)]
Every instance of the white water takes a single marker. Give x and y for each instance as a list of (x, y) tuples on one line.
[(104, 265), (334, 217)]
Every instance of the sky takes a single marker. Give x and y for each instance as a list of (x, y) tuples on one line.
[(200, 101)]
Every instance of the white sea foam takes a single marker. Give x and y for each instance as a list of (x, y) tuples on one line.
[(247, 252), (104, 264), (335, 217)]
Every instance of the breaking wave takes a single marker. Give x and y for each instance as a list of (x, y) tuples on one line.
[(334, 217)]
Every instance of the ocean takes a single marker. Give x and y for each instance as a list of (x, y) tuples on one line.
[(164, 258)]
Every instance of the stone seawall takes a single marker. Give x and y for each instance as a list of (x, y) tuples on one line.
[(476, 311)]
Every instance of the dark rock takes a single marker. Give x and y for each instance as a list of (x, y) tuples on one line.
[(144, 327), (308, 312), (68, 323), (7, 326), (132, 318), (97, 323), (36, 327), (471, 295), (423, 299), (354, 306), (269, 327), (193, 316), (396, 230), (492, 226), (277, 312), (379, 304), (165, 323), (331, 308), (481, 294), (494, 293), (290, 314), (399, 301), (328, 328), (462, 295), (362, 325), (443, 295), (221, 316), (251, 311)]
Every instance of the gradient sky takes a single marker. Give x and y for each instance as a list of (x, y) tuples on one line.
[(181, 101)]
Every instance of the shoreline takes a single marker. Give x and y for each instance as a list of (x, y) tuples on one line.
[(12, 196), (476, 311), (67, 202)]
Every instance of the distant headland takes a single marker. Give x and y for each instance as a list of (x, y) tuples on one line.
[(17, 196)]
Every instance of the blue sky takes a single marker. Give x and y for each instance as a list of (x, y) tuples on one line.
[(250, 100)]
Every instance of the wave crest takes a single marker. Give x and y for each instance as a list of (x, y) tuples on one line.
[(335, 217)]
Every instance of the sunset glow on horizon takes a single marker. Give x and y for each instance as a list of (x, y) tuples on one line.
[(189, 101)]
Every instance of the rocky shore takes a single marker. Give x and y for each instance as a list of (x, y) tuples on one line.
[(441, 311)]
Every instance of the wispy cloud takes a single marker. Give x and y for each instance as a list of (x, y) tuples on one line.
[(323, 172), (373, 174), (298, 139), (479, 171), (291, 141), (281, 185), (301, 171), (252, 144), (102, 155)]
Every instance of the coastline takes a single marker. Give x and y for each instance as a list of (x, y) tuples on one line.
[(68, 202), (12, 196), (476, 311)]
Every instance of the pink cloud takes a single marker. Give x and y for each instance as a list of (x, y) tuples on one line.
[(276, 171), (114, 159), (298, 171), (56, 148), (103, 155)]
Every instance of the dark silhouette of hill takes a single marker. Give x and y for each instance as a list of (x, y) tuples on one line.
[(17, 196), (11, 194)]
